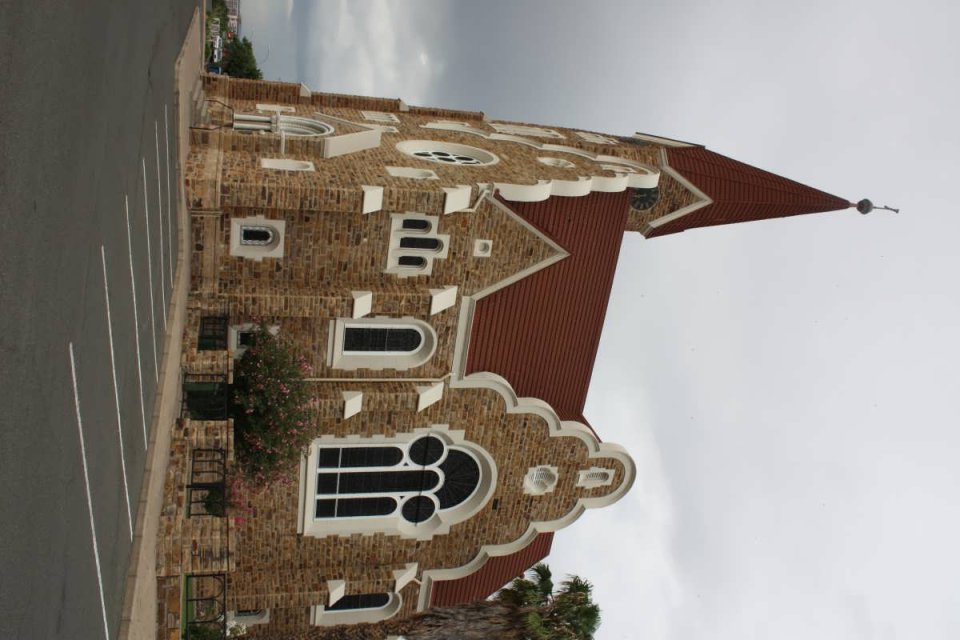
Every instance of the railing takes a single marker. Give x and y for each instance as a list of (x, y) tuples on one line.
[(207, 491), (213, 333), (205, 613), (206, 396)]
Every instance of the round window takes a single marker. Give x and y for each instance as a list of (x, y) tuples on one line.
[(447, 152)]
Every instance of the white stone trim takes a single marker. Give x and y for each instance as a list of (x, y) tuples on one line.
[(286, 164), (372, 198), (525, 130), (253, 251), (557, 163), (438, 524), (379, 116), (702, 200), (666, 142), (541, 480), (442, 299), (339, 359), (429, 395), (276, 108), (362, 303), (482, 248), (320, 617), (305, 91), (587, 479), (413, 173), (595, 138), (352, 403), (456, 198), (345, 143), (647, 177), (403, 577), (336, 589), (395, 251)]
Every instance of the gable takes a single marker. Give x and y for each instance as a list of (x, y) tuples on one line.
[(542, 333)]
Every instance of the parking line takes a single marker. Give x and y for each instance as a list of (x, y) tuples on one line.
[(166, 142), (116, 392), (153, 313), (163, 295), (86, 482), (136, 323)]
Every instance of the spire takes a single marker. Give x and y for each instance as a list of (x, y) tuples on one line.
[(740, 193)]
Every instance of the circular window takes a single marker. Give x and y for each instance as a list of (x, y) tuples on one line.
[(560, 163), (418, 509), (447, 153), (426, 451)]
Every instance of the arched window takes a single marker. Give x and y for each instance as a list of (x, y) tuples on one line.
[(414, 485), (414, 244), (595, 477), (381, 343), (357, 608), (415, 224), (429, 244), (256, 237)]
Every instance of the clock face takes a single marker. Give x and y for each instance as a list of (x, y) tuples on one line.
[(644, 199)]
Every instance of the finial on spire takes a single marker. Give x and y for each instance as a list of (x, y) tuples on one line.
[(865, 207)]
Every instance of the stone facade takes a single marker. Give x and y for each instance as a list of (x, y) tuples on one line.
[(339, 226)]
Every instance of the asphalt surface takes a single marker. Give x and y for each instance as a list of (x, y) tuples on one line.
[(82, 87)]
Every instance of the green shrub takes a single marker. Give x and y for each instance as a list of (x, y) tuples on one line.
[(270, 408)]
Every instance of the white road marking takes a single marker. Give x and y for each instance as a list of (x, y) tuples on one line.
[(163, 295), (86, 482), (153, 313), (136, 323), (116, 392), (166, 142)]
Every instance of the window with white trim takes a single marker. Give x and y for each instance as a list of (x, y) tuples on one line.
[(379, 116), (256, 237), (357, 608), (414, 244), (296, 126), (380, 343), (447, 153), (595, 477), (596, 138), (415, 485), (540, 480), (525, 130)]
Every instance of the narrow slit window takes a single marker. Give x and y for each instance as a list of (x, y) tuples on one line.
[(412, 261), (431, 244), (416, 224)]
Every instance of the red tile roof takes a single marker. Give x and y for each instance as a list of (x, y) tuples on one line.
[(542, 333), (740, 192), (495, 573)]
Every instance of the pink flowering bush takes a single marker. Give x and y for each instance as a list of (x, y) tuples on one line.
[(270, 408)]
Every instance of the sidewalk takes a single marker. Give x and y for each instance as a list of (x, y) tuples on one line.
[(139, 617)]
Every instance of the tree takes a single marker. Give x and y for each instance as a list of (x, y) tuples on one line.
[(239, 61), (529, 609)]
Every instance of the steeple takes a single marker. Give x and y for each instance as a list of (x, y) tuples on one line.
[(735, 192)]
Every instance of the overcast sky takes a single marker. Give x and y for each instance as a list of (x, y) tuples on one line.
[(790, 389)]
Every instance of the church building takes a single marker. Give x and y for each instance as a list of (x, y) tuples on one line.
[(447, 276)]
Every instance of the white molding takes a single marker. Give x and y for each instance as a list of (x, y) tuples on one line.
[(362, 303), (372, 198), (702, 199), (352, 142), (336, 590), (647, 177), (352, 403), (442, 299), (429, 395), (276, 108), (482, 248), (457, 198), (254, 251), (403, 577), (412, 173), (286, 164), (305, 91), (667, 142)]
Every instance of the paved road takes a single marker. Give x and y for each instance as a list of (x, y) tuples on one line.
[(86, 112)]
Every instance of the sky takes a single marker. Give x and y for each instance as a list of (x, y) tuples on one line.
[(789, 388)]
